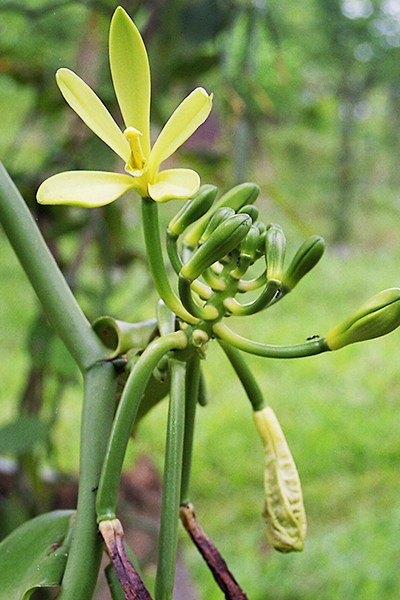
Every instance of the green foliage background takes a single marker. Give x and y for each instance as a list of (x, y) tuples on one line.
[(307, 105)]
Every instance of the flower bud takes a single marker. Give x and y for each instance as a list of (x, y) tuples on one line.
[(379, 316), (240, 195), (275, 247), (305, 259), (284, 510), (223, 240), (251, 210), (193, 209), (220, 215)]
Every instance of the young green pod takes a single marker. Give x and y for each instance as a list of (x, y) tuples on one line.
[(193, 209), (220, 215), (284, 512), (305, 259), (377, 317), (225, 238), (275, 247), (240, 195)]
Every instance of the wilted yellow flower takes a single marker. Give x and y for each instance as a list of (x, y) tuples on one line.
[(284, 513)]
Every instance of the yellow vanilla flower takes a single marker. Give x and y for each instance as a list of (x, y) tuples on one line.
[(131, 78)]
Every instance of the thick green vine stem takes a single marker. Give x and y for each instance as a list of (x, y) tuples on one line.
[(309, 348), (168, 540), (86, 549), (246, 377), (156, 260), (57, 300), (125, 417), (192, 388)]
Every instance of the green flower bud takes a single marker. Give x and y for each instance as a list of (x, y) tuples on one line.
[(250, 210), (193, 209), (248, 249), (220, 215), (379, 316), (305, 259), (242, 194), (284, 510), (225, 238), (275, 247)]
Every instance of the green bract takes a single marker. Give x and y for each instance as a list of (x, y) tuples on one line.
[(378, 316), (131, 77)]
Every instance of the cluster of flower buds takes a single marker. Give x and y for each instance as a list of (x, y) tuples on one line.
[(218, 241)]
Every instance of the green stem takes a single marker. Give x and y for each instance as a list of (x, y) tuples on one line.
[(57, 300), (192, 393), (156, 260), (204, 313), (125, 418), (86, 550), (246, 377), (168, 543), (308, 348), (257, 305)]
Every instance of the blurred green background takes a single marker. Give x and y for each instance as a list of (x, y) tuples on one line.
[(306, 104)]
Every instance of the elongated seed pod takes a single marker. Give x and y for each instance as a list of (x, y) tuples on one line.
[(223, 240), (240, 195), (305, 259), (193, 209), (284, 510)]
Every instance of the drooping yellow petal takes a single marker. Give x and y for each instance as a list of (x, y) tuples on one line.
[(189, 115), (131, 74), (84, 188), (92, 111), (174, 183)]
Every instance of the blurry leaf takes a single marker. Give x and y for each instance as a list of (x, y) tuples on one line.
[(203, 20), (194, 66), (34, 555), (21, 435)]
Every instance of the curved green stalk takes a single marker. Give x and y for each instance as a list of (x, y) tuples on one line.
[(172, 250), (86, 549), (204, 313), (245, 375), (168, 541), (192, 393), (257, 305), (156, 260), (308, 348), (125, 417), (57, 300)]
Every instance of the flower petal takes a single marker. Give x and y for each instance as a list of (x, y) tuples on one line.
[(84, 188), (189, 115), (131, 74), (92, 111), (174, 183)]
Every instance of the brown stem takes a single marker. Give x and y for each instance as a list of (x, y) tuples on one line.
[(133, 586), (213, 558)]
